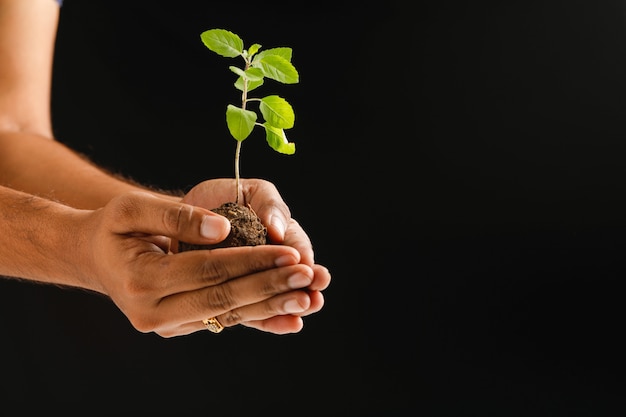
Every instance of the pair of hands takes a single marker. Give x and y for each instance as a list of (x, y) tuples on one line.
[(134, 262)]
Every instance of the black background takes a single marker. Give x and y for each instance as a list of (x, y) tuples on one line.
[(475, 150)]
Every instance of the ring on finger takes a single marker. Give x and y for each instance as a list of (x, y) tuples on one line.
[(213, 324)]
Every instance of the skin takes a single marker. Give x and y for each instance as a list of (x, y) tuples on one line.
[(67, 222)]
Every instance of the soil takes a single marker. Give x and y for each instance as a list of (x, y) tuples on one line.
[(246, 228)]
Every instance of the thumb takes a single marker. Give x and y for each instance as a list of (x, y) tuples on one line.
[(142, 212)]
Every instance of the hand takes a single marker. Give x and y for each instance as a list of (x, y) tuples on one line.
[(268, 204), (126, 250)]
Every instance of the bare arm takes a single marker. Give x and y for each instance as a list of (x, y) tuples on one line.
[(65, 221), (31, 160)]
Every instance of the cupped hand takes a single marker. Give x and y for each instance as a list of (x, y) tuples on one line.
[(282, 229), (266, 202), (127, 253)]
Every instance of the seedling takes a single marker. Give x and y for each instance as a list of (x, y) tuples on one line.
[(277, 113), (277, 116)]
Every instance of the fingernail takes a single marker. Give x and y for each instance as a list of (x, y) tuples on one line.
[(212, 227), (278, 225), (292, 306), (298, 280), (285, 260)]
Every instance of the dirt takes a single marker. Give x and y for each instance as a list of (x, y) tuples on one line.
[(246, 228)]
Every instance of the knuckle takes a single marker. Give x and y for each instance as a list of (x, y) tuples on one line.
[(220, 297), (256, 257), (294, 231), (214, 271), (231, 318), (142, 326), (125, 208), (175, 218), (270, 287), (272, 308), (143, 323), (141, 286), (135, 289)]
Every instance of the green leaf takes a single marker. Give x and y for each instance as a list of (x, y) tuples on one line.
[(277, 112), (251, 74), (278, 68), (254, 74), (240, 122), (222, 42), (237, 70), (277, 140), (283, 51), (253, 49), (251, 84)]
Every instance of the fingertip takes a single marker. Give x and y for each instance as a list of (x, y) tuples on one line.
[(214, 227), (287, 259), (322, 278), (276, 228), (317, 301), (286, 324)]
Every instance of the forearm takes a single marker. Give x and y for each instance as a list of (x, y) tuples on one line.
[(41, 240), (30, 159), (45, 167)]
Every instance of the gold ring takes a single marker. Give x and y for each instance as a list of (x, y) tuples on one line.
[(213, 324)]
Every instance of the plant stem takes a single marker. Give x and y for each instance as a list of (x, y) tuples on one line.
[(237, 189), (244, 99)]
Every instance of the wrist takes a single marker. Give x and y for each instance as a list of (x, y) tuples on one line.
[(41, 240)]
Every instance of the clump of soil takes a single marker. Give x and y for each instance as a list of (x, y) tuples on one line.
[(246, 228)]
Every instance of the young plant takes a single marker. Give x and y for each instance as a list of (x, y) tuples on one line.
[(278, 114)]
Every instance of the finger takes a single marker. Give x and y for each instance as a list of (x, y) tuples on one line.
[(316, 303), (141, 212), (230, 295), (186, 272), (276, 320), (277, 221), (298, 239), (282, 305), (274, 213), (295, 302), (321, 278), (268, 204), (278, 325), (289, 323)]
